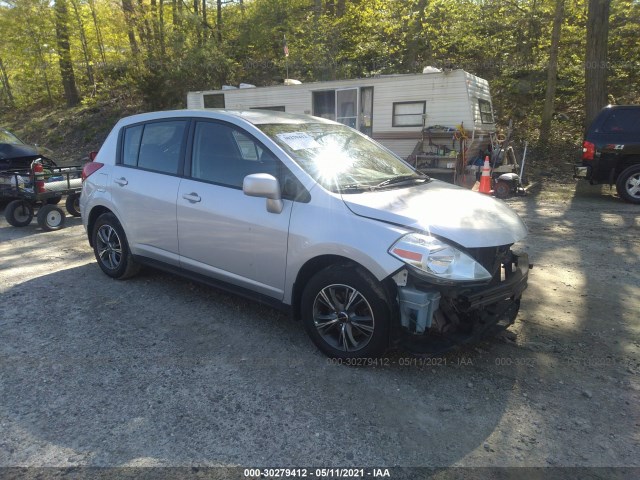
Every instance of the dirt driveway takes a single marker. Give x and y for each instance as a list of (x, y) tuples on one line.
[(157, 370)]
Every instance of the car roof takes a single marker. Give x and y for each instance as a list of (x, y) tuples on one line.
[(256, 117)]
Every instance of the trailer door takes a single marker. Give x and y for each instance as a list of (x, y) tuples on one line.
[(366, 110)]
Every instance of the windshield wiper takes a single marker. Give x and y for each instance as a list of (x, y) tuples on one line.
[(354, 188), (401, 179)]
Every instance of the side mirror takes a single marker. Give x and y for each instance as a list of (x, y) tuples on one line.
[(266, 186)]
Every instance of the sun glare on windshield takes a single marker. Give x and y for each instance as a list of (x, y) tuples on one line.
[(331, 161)]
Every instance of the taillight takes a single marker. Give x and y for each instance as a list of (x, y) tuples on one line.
[(90, 168), (588, 150)]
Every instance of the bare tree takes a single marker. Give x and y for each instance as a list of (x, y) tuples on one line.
[(552, 72), (596, 58)]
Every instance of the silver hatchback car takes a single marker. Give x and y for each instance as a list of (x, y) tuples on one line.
[(308, 215)]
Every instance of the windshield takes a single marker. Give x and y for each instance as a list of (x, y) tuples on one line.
[(339, 158), (8, 137)]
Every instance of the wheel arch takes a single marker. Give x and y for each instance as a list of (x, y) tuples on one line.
[(316, 264), (626, 162), (93, 216)]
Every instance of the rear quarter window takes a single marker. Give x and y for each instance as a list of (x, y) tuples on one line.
[(622, 121)]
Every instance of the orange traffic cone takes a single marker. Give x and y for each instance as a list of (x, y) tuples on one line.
[(485, 179)]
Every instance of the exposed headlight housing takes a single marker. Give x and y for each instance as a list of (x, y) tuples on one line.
[(437, 259)]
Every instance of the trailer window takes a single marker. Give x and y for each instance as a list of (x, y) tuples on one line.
[(279, 108), (408, 114), (214, 100), (324, 104), (486, 113)]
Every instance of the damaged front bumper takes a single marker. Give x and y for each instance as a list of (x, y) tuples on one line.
[(433, 318)]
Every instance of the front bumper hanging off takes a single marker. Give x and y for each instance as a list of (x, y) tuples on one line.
[(452, 315)]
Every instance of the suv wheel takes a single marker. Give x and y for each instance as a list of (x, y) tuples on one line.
[(628, 184), (346, 313), (111, 248)]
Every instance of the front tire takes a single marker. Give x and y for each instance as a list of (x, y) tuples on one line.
[(111, 249), (50, 218), (346, 312), (628, 184)]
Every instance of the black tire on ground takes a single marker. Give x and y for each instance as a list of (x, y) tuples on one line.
[(111, 249), (18, 213), (51, 218), (72, 204), (628, 184), (502, 189), (53, 200), (346, 312)]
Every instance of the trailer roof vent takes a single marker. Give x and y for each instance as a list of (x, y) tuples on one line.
[(292, 81), (430, 69), (247, 85)]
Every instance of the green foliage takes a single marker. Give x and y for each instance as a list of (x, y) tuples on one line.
[(162, 49)]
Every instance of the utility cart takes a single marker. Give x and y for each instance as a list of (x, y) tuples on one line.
[(41, 186)]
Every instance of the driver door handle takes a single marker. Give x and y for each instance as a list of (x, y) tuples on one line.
[(192, 197), (121, 181)]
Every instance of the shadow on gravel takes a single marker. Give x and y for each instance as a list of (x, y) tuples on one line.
[(157, 369), (580, 313)]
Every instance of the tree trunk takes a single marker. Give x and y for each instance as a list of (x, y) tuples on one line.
[(417, 40), (64, 53), (83, 42), (317, 8), (219, 21), (330, 7), (6, 85), (175, 12), (552, 73), (145, 33), (127, 8), (195, 6), (340, 8), (94, 15), (161, 31), (596, 58)]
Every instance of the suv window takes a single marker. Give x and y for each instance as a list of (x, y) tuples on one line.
[(225, 155), (622, 121), (154, 146)]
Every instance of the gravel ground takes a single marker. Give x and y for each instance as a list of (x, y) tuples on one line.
[(159, 371)]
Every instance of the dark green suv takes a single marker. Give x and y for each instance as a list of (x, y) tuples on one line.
[(611, 151)]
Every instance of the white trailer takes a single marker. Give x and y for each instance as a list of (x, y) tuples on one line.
[(417, 116)]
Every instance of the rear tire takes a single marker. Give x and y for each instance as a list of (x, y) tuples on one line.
[(51, 218), (346, 312), (628, 184), (18, 213), (111, 248), (72, 204)]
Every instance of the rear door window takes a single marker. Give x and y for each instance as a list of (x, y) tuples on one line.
[(155, 146)]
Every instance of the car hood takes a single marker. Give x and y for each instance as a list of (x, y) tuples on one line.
[(11, 150), (467, 218)]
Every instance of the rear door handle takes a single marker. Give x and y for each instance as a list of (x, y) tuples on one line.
[(192, 197), (121, 181)]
